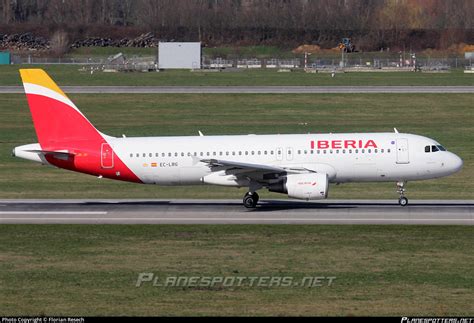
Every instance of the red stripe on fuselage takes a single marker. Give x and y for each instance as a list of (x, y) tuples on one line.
[(61, 127)]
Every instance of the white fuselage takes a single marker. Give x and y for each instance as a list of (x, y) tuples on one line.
[(351, 157)]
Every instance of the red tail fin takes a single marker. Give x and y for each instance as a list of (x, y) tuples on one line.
[(67, 139), (56, 119)]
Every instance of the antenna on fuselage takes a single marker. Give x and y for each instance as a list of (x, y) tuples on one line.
[(395, 129), (200, 133)]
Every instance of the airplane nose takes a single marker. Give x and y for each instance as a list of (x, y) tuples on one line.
[(455, 163)]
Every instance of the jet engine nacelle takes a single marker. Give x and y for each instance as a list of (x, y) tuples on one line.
[(313, 186)]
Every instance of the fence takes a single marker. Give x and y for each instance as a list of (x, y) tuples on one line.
[(314, 62)]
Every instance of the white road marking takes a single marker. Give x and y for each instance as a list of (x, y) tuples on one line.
[(54, 212), (234, 219)]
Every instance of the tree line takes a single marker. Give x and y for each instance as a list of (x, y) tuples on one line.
[(373, 24)]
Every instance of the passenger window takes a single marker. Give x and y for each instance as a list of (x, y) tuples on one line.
[(138, 155), (388, 150), (427, 149), (131, 155)]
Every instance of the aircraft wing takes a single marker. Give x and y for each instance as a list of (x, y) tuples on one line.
[(252, 170)]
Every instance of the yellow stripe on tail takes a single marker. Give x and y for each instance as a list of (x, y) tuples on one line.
[(39, 77)]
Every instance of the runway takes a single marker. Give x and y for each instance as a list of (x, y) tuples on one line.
[(162, 211), (252, 89)]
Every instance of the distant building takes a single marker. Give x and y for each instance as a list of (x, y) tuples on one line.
[(179, 55)]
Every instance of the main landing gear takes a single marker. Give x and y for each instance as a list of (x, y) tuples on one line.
[(403, 201), (250, 200)]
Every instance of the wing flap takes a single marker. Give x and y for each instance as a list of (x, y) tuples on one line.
[(248, 167)]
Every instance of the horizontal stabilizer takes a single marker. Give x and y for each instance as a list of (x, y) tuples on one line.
[(60, 154)]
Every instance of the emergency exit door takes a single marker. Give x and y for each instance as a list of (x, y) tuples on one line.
[(402, 151), (106, 156)]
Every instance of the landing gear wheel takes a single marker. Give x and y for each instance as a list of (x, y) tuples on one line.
[(250, 200), (403, 201)]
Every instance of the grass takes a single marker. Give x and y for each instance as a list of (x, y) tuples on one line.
[(222, 51), (63, 270), (447, 118), (108, 51), (70, 75)]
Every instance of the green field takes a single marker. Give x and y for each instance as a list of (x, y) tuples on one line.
[(446, 117), (380, 270), (70, 75)]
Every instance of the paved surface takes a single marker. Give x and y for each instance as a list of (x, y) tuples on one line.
[(232, 211), (254, 89)]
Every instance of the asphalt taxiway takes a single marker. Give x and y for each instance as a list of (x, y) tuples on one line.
[(447, 212), (252, 89)]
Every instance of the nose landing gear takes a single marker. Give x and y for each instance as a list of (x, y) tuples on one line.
[(251, 200), (403, 201)]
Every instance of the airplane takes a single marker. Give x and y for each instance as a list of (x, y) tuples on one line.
[(299, 165)]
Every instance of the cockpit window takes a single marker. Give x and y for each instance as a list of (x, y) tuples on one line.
[(441, 148), (427, 149), (434, 148)]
